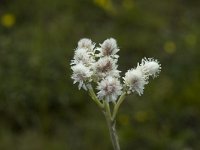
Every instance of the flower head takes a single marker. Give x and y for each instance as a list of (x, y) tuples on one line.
[(83, 56), (135, 80), (86, 43), (106, 66), (109, 48), (81, 74), (150, 67), (109, 88)]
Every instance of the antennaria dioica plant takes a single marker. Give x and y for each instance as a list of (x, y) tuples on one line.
[(98, 65)]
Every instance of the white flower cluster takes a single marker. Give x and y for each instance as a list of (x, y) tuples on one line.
[(135, 79), (99, 65)]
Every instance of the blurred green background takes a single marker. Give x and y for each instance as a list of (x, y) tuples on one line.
[(41, 109)]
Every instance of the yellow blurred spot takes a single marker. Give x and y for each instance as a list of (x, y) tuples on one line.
[(101, 3), (170, 47), (124, 119), (191, 39), (8, 20), (141, 116), (105, 4)]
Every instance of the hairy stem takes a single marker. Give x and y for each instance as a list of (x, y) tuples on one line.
[(111, 126), (116, 107), (94, 97)]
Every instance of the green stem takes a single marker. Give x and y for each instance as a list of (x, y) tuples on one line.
[(111, 126), (116, 107), (110, 118), (107, 108), (94, 97)]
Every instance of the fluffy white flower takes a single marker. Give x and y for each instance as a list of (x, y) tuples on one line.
[(106, 66), (108, 48), (83, 56), (86, 43), (81, 74), (109, 88), (150, 67), (88, 66), (135, 80)]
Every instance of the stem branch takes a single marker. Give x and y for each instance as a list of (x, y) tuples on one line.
[(119, 102), (94, 97)]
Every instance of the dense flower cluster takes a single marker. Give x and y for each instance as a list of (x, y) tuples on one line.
[(99, 65)]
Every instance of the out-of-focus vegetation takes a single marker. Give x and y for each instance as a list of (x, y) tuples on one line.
[(40, 109)]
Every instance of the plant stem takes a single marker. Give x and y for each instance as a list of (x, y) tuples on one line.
[(110, 118), (111, 126), (94, 97), (116, 107)]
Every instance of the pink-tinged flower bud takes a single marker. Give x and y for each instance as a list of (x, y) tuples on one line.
[(106, 66), (150, 67), (108, 48), (86, 43), (81, 74), (135, 80), (109, 88), (83, 56)]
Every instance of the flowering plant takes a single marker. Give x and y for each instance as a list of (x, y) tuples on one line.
[(98, 66)]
